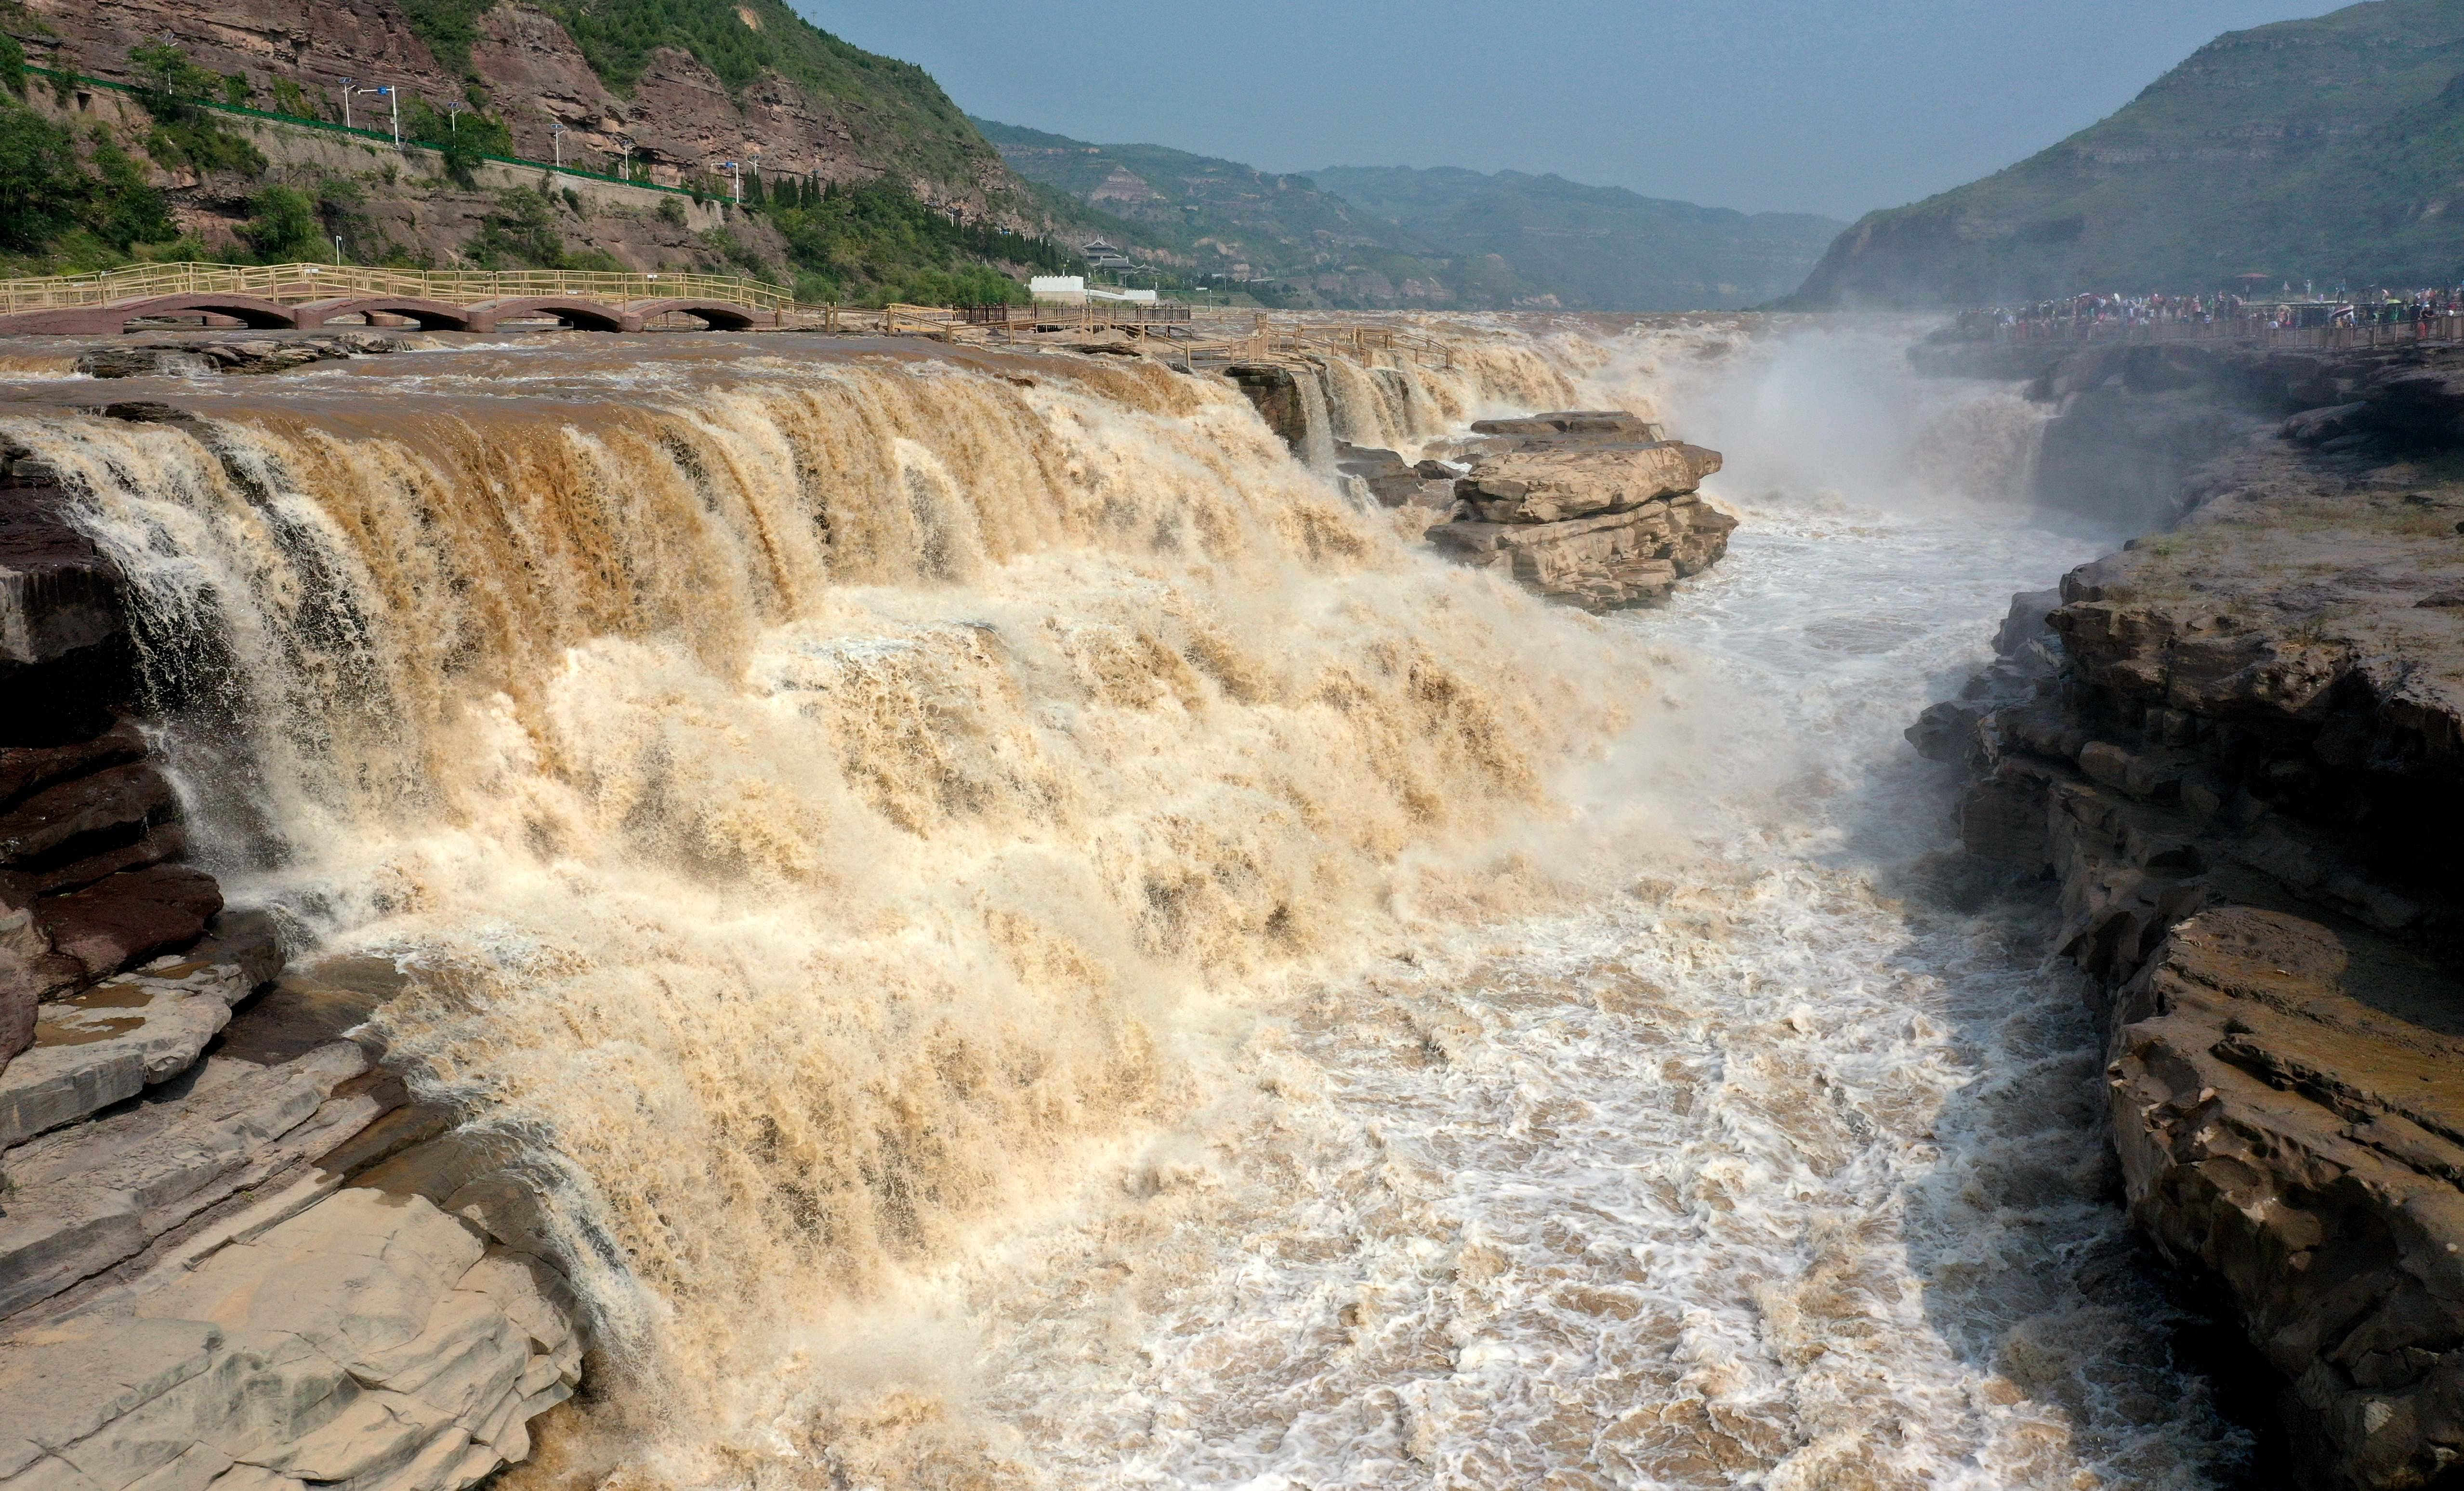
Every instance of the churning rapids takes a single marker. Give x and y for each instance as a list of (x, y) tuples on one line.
[(1032, 943)]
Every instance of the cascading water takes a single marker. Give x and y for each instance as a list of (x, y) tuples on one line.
[(1035, 946)]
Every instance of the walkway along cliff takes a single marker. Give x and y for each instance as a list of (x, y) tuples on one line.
[(2238, 748)]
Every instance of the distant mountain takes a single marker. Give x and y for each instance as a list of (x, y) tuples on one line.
[(1526, 238), (2326, 149), (1209, 216), (1369, 236)]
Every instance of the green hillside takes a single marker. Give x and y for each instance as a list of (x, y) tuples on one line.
[(1522, 237), (905, 118), (2324, 149)]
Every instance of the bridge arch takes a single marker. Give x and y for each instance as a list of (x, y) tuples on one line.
[(715, 314), (574, 311), (258, 314), (432, 315), (112, 318)]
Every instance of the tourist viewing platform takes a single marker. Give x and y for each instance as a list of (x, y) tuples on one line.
[(2373, 319)]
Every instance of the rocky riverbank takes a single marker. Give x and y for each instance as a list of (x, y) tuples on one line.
[(2234, 748), (233, 1250)]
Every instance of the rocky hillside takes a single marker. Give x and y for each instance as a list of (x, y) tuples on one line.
[(861, 179), (1205, 216), (2321, 150), (1444, 238), (691, 84), (2234, 747), (1523, 239)]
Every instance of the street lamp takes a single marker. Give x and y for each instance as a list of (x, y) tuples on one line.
[(738, 171), (338, 250), (555, 135), (626, 140), (453, 116), (380, 92)]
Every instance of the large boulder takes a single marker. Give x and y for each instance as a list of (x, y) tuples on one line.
[(1605, 562), (1553, 484)]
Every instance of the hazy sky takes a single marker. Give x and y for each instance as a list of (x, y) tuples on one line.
[(1833, 106)]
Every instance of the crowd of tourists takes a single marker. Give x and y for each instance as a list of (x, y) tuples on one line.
[(2091, 313)]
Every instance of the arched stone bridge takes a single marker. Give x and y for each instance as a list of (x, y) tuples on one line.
[(581, 313)]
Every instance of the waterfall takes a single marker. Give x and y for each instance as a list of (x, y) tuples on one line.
[(1027, 941), (822, 805)]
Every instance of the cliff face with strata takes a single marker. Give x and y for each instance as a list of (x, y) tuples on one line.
[(2234, 748), (681, 116), (234, 1252)]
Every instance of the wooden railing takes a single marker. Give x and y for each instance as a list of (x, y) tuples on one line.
[(1267, 340), (290, 282)]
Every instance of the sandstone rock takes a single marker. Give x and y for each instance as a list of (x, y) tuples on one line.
[(22, 946), (124, 918), (26, 770), (366, 1339), (59, 612), (1615, 424), (2316, 427), (2287, 1138), (1946, 731), (153, 359), (108, 1042), (1272, 391), (116, 801), (93, 1196), (1554, 484), (2242, 771), (1613, 560)]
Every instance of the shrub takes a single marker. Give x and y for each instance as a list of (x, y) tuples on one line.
[(283, 226), (41, 187), (461, 142)]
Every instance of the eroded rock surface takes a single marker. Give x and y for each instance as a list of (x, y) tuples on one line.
[(244, 354), (234, 1251), (1588, 507), (2238, 747), (370, 1340)]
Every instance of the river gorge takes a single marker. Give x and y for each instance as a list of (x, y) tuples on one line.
[(980, 919)]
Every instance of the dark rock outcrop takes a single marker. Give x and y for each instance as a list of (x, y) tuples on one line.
[(2238, 748), (1275, 391), (249, 355)]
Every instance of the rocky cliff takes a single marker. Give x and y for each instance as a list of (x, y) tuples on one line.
[(2234, 748), (234, 1251), (800, 101)]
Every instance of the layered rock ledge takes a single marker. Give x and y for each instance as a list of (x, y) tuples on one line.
[(234, 1251), (2236, 748), (1595, 508)]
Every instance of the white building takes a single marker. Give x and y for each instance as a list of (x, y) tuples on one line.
[(1059, 288)]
